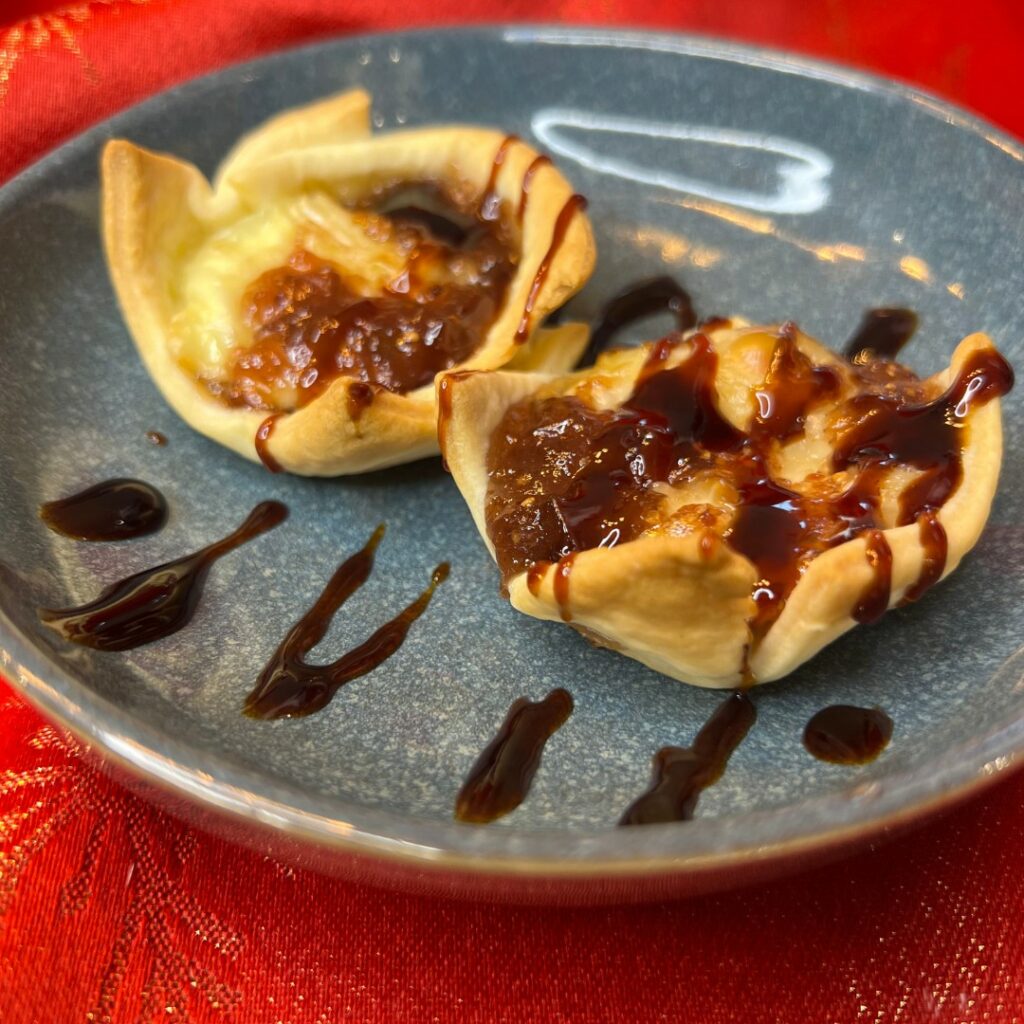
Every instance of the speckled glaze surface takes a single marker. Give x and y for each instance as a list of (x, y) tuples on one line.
[(773, 188)]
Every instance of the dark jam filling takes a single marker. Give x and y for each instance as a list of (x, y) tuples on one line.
[(310, 326), (565, 478)]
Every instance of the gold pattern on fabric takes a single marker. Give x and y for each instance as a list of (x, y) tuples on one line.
[(38, 33), (62, 798)]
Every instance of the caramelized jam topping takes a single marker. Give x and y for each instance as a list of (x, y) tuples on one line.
[(310, 326), (565, 477)]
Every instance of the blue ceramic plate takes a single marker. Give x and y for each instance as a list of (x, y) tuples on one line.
[(774, 188)]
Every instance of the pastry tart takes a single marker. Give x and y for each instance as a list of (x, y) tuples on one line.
[(304, 301), (720, 505)]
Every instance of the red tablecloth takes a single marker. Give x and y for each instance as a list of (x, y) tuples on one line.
[(111, 911)]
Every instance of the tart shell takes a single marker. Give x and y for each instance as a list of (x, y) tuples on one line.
[(157, 209), (681, 603)]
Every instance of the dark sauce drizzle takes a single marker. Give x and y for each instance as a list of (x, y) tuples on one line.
[(573, 204), (886, 430), (874, 602), (881, 335), (936, 548), (563, 570), (359, 398), (118, 509), (490, 202), (535, 576), (681, 774), (444, 407), (846, 734), (524, 192), (637, 301), (501, 776), (157, 602), (791, 387), (266, 428), (289, 687)]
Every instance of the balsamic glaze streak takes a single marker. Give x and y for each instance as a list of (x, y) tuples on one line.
[(489, 207), (574, 204), (157, 602), (936, 546), (640, 300), (444, 408), (289, 687), (501, 776), (681, 774), (881, 335), (266, 428), (524, 193)]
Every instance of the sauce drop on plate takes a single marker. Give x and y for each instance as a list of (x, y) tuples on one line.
[(117, 509), (847, 734)]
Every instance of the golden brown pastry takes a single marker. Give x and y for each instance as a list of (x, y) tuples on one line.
[(313, 291), (722, 505)]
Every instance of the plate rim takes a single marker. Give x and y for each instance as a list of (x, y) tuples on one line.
[(334, 822)]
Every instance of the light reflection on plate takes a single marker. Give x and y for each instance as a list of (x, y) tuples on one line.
[(801, 170)]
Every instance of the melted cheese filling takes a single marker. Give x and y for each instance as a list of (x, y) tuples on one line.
[(208, 327)]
